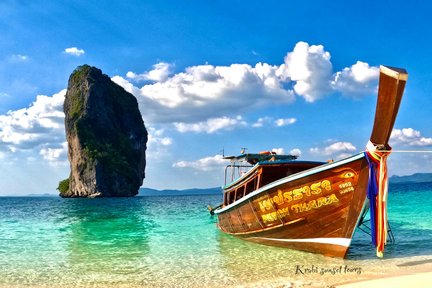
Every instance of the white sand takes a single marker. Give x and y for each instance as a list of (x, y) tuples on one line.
[(420, 280)]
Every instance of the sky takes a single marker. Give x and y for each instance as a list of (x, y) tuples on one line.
[(212, 77)]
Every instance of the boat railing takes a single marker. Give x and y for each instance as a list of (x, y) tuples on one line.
[(234, 171)]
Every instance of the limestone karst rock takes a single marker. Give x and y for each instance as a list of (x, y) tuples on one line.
[(106, 137)]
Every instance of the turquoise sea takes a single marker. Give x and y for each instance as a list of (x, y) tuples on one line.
[(173, 242)]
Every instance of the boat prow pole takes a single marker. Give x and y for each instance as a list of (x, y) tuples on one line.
[(391, 87)]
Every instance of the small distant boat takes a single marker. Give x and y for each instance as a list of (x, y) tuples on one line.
[(314, 206)]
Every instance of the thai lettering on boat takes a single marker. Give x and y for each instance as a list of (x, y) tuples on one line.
[(288, 196)]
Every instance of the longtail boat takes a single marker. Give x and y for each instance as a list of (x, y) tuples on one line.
[(314, 206)]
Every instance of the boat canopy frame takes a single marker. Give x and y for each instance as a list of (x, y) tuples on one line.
[(253, 159)]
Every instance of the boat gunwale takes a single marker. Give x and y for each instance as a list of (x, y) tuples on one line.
[(290, 178)]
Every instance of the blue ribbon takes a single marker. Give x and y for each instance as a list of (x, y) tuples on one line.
[(372, 193)]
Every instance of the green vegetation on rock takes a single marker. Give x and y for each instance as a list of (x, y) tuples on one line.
[(63, 186)]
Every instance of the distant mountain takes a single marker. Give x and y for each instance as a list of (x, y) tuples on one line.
[(194, 191), (415, 178), (155, 192)]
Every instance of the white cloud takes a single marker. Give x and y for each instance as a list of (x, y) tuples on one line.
[(279, 151), (296, 152), (16, 58), (160, 73), (311, 70), (205, 91), (155, 137), (270, 121), (409, 136), (262, 121), (55, 156), (211, 125), (341, 148), (284, 122), (166, 141), (74, 51), (412, 163), (157, 144), (34, 127), (359, 79), (204, 164)]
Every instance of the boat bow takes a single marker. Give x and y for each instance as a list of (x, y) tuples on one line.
[(391, 87)]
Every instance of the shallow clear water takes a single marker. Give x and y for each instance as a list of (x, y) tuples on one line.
[(173, 242)]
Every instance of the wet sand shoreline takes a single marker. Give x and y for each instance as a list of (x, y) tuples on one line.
[(402, 272)]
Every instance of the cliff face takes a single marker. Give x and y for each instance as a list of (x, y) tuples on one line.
[(106, 137)]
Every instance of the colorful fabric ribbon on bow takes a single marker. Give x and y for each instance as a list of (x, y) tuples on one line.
[(377, 194)]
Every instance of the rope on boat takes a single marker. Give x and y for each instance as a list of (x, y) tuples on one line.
[(404, 151), (212, 209)]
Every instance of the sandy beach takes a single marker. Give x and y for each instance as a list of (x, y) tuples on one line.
[(417, 274), (409, 272), (415, 280)]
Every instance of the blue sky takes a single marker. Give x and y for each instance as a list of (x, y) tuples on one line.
[(294, 76)]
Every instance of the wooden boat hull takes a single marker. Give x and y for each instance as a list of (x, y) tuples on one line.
[(316, 210), (318, 206)]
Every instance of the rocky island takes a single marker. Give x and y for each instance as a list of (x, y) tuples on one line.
[(106, 137)]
